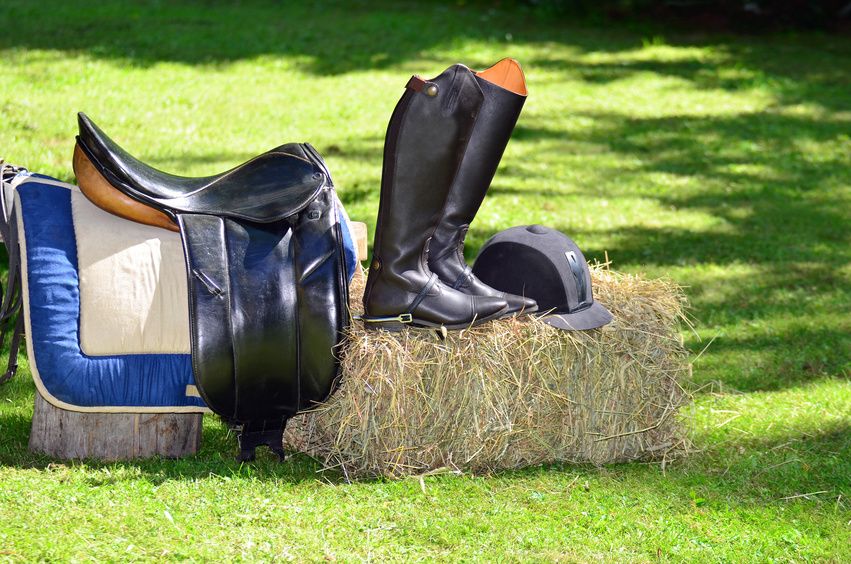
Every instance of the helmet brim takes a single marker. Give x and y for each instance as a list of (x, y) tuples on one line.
[(589, 318)]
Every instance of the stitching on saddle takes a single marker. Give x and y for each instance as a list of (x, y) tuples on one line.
[(226, 246)]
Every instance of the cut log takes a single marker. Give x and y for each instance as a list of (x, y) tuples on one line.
[(70, 435)]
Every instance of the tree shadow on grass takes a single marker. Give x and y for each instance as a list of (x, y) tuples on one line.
[(326, 38), (779, 206), (734, 65), (217, 456), (773, 190), (745, 469)]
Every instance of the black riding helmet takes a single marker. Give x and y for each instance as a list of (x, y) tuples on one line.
[(544, 264)]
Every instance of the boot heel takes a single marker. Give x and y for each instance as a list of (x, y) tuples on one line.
[(391, 326)]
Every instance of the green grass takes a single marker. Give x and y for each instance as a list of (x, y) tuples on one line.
[(721, 162)]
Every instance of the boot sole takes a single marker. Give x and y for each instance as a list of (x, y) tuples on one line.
[(520, 312), (396, 326)]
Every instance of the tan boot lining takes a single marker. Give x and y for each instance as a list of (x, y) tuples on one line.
[(506, 74)]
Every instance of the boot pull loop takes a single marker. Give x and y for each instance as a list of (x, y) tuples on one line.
[(418, 84)]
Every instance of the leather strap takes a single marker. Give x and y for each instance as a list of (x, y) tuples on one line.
[(258, 433), (11, 306), (421, 296), (11, 302), (14, 345), (407, 317), (416, 84), (463, 277)]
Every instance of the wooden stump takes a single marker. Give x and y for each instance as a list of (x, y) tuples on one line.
[(69, 435)]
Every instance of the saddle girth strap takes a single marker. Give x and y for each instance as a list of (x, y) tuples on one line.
[(11, 317), (268, 433), (14, 346)]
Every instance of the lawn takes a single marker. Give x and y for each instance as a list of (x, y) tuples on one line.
[(721, 162)]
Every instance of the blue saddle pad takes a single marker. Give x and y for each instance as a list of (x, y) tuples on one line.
[(64, 374)]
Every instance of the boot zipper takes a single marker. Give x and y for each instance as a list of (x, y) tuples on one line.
[(392, 137)]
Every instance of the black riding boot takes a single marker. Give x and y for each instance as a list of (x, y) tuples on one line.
[(504, 88), (425, 142)]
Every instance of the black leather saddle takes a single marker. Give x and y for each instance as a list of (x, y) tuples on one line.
[(268, 291)]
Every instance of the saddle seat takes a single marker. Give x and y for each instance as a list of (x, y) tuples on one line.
[(267, 188)]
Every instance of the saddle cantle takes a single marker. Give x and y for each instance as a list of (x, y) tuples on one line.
[(265, 268)]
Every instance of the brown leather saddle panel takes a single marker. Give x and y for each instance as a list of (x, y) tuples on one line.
[(105, 196)]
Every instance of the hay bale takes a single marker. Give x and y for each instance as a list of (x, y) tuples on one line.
[(508, 394)]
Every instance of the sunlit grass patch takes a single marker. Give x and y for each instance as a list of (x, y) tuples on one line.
[(722, 163)]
